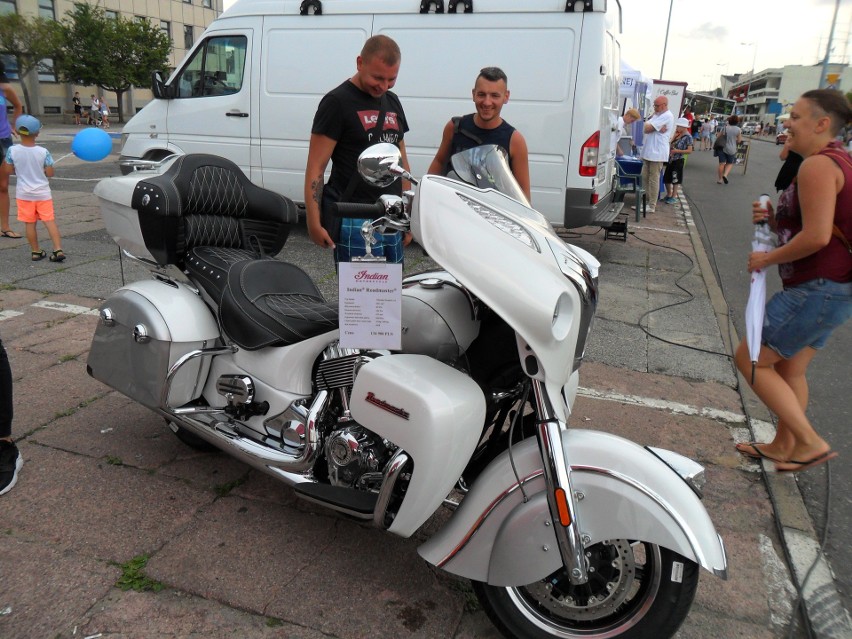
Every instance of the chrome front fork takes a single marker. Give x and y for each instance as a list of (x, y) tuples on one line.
[(560, 496)]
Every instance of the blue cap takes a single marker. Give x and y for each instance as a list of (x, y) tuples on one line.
[(27, 125)]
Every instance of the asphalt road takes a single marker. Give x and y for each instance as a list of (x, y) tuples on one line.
[(723, 215)]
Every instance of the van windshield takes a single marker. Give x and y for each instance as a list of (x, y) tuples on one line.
[(487, 167)]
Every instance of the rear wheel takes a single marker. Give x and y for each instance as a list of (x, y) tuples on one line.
[(635, 590)]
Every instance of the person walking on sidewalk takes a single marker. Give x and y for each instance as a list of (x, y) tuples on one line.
[(104, 112), (658, 130), (78, 108), (728, 153), (814, 224), (33, 165), (7, 96), (10, 458), (682, 145)]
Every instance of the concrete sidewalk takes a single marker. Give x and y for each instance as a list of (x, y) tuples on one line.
[(117, 529)]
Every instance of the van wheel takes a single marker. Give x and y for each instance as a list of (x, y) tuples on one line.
[(636, 590), (191, 439)]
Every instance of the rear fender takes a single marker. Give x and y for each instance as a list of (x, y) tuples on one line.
[(622, 492)]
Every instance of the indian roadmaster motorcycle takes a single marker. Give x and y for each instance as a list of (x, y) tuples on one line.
[(563, 532)]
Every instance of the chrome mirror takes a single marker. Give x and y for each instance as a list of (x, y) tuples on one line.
[(376, 164)]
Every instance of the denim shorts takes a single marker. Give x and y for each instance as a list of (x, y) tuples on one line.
[(5, 145), (727, 158), (805, 315)]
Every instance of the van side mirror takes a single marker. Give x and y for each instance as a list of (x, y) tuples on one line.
[(159, 88)]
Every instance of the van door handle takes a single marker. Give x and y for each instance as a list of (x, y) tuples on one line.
[(236, 114)]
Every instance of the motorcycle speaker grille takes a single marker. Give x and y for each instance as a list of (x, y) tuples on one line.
[(336, 373)]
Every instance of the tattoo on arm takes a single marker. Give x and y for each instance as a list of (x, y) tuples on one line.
[(316, 189)]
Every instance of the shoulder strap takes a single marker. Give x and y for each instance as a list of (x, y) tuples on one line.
[(468, 134)]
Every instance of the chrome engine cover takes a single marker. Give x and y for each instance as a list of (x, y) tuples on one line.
[(355, 457)]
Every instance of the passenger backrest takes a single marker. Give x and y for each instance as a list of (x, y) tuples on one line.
[(206, 200)]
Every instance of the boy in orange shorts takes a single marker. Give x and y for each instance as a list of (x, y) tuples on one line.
[(33, 165)]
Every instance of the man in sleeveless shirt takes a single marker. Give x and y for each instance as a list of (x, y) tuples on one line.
[(486, 126)]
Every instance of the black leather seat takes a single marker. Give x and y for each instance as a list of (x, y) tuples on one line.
[(204, 216), (206, 201), (272, 303)]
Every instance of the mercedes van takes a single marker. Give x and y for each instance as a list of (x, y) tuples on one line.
[(249, 87)]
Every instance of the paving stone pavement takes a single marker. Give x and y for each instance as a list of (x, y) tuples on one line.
[(231, 553)]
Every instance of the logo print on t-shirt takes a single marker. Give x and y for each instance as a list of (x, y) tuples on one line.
[(368, 120)]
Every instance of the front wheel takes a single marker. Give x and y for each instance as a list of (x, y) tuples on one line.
[(635, 590)]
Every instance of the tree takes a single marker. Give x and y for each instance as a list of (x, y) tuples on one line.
[(35, 43), (112, 53)]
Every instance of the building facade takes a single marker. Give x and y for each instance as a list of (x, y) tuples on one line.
[(763, 95), (182, 20)]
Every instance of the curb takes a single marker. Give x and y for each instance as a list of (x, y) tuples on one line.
[(809, 567)]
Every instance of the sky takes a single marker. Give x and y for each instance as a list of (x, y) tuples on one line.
[(706, 38)]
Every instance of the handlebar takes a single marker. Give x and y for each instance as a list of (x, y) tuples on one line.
[(358, 210)]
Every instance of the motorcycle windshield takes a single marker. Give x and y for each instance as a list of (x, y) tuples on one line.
[(487, 167)]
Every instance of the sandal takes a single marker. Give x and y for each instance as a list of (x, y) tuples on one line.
[(11, 234), (57, 256), (38, 255)]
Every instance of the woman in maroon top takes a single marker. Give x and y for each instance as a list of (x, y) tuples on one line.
[(813, 220)]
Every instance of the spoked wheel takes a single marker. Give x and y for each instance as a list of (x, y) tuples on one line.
[(635, 590)]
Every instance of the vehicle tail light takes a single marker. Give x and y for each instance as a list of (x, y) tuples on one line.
[(589, 155)]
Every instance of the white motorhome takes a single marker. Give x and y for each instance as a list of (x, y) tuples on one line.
[(250, 86)]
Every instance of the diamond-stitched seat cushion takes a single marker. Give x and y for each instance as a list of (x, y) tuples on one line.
[(208, 266), (206, 200), (272, 303)]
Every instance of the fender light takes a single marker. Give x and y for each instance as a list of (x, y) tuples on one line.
[(589, 155), (562, 507)]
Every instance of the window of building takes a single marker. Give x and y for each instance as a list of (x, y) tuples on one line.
[(46, 10), (109, 13), (207, 3), (7, 6), (166, 28), (46, 72), (216, 68), (188, 40), (11, 65)]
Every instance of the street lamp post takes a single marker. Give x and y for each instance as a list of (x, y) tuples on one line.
[(666, 41), (751, 74)]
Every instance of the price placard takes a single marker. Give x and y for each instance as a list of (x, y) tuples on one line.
[(370, 305)]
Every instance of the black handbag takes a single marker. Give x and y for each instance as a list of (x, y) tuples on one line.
[(720, 142)]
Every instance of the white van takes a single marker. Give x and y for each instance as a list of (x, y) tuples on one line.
[(250, 86)]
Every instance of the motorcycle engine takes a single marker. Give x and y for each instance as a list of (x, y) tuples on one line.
[(355, 458)]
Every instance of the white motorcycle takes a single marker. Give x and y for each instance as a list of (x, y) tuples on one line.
[(564, 533)]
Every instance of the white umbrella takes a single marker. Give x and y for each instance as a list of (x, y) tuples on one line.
[(762, 241)]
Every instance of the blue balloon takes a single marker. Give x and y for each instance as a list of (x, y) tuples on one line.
[(91, 145)]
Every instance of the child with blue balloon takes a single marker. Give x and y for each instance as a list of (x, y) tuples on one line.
[(33, 165)]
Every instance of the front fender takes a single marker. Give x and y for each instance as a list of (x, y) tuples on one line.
[(623, 492)]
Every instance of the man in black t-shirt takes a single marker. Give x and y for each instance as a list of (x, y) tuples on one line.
[(346, 123)]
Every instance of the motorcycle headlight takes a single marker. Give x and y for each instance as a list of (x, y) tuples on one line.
[(502, 222)]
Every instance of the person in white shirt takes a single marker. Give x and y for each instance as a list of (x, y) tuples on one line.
[(658, 130)]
